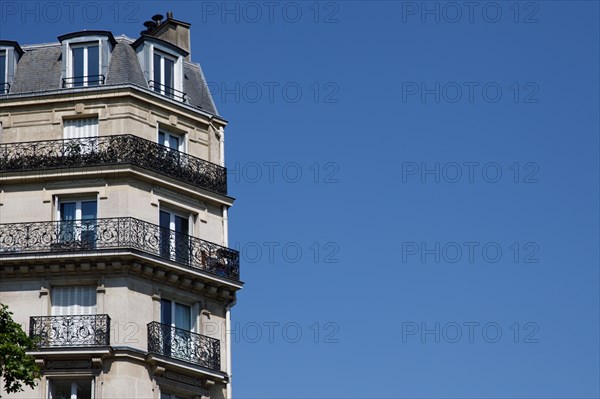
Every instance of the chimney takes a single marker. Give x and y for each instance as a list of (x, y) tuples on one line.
[(170, 30)]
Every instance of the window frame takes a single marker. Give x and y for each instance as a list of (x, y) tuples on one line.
[(173, 244), (71, 65), (163, 86), (173, 306), (78, 221), (180, 136), (73, 378), (55, 309)]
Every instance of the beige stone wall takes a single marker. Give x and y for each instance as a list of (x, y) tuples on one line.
[(116, 196), (131, 301), (35, 120)]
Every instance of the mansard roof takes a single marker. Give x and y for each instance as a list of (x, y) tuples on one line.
[(39, 70)]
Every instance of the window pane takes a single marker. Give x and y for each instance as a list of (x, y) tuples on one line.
[(165, 312), (161, 138), (182, 246), (2, 69), (67, 211), (88, 210), (88, 229), (181, 225), (165, 234), (78, 72), (157, 69), (169, 78), (165, 220), (173, 142), (93, 54), (182, 317), (70, 389)]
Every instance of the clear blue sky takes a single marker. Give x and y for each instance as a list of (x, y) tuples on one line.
[(400, 120)]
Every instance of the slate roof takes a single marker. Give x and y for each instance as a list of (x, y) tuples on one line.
[(39, 69)]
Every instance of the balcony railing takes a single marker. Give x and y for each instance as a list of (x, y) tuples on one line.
[(70, 331), (167, 91), (83, 81), (184, 345), (118, 233), (113, 150)]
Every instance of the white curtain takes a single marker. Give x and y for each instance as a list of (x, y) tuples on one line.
[(80, 128), (73, 301)]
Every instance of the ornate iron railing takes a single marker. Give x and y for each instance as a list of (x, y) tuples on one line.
[(167, 91), (70, 331), (83, 81), (113, 150), (119, 233), (184, 345)]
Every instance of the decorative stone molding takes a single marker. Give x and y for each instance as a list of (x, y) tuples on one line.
[(158, 370), (69, 364), (97, 362)]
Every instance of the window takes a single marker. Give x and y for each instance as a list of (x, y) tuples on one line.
[(10, 53), (162, 64), (171, 140), (84, 133), (84, 65), (80, 128), (164, 74), (77, 222), (174, 240), (85, 57), (179, 316), (78, 300), (175, 314), (70, 388)]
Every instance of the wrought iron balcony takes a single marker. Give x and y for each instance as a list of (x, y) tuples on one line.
[(184, 345), (71, 331), (113, 150), (83, 81), (118, 233), (167, 91)]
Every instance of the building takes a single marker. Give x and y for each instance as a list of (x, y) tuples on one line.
[(113, 215)]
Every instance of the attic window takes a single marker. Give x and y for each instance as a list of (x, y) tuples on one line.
[(162, 63), (10, 53), (85, 57)]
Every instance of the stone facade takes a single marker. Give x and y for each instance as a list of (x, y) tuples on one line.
[(154, 249)]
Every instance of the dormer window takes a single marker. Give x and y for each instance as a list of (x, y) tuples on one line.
[(10, 53), (162, 63), (85, 58)]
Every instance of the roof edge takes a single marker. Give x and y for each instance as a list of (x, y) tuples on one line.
[(88, 33), (13, 44), (165, 43)]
